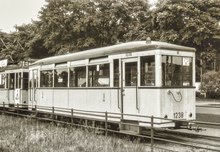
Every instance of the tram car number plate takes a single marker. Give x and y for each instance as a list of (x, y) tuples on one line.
[(178, 115)]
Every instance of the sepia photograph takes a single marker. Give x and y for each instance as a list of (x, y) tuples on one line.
[(109, 75)]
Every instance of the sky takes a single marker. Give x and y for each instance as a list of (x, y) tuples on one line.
[(18, 12)]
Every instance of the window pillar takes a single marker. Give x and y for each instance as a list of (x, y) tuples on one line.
[(158, 70)]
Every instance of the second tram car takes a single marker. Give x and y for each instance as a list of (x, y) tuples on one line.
[(14, 85), (140, 77)]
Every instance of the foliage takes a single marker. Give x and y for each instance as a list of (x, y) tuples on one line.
[(68, 26), (72, 25), (185, 22), (19, 46), (211, 84), (190, 23)]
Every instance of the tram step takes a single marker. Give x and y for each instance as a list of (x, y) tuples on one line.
[(129, 132), (130, 126)]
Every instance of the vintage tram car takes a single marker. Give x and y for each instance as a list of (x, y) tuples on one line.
[(141, 78), (14, 84)]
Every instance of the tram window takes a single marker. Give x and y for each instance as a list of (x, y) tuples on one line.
[(6, 81), (148, 71), (116, 73), (2, 80), (99, 75), (11, 80), (187, 71), (18, 80), (60, 77), (131, 74), (46, 78), (78, 77), (33, 79), (25, 80), (176, 72)]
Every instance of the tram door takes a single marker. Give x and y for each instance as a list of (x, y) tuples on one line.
[(129, 83), (33, 86)]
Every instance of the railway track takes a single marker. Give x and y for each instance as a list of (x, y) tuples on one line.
[(183, 137), (188, 138)]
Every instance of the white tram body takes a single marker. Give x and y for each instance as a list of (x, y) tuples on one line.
[(14, 85), (141, 78)]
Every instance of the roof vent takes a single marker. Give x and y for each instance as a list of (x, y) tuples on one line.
[(148, 40)]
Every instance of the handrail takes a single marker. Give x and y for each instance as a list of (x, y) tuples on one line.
[(106, 118), (137, 101), (179, 93)]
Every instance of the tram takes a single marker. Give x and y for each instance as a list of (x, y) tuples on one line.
[(147, 78), (14, 84)]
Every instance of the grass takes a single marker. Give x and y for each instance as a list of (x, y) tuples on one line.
[(26, 135)]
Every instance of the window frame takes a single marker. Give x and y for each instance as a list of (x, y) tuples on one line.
[(40, 85), (163, 76), (154, 71), (3, 80), (86, 77), (109, 75), (67, 78)]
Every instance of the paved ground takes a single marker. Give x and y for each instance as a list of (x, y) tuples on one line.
[(208, 110), (207, 106), (207, 102)]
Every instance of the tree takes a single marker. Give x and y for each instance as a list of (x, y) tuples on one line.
[(5, 46), (77, 25), (185, 22), (21, 45), (190, 23)]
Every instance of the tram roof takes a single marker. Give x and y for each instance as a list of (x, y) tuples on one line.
[(13, 67), (127, 47)]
